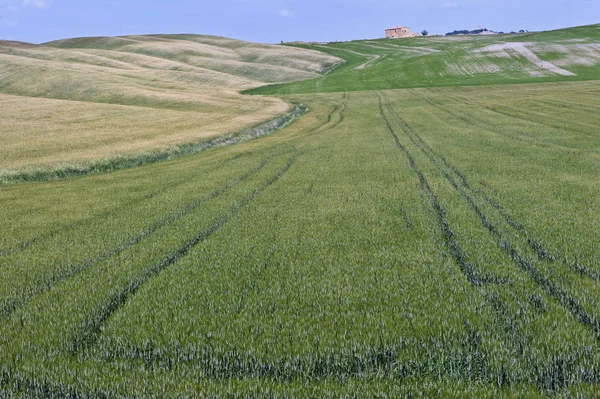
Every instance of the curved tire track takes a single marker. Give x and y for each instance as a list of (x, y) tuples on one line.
[(28, 243), (562, 296), (8, 306), (534, 243), (90, 331)]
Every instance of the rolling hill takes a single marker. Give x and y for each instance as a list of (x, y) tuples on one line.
[(561, 55), (434, 242), (77, 101)]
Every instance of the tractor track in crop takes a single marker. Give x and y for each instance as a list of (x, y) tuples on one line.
[(534, 243), (102, 215), (450, 239), (342, 109), (405, 216), (441, 163), (540, 118), (339, 108), (562, 296), (8, 306), (82, 222), (570, 104), (568, 302), (499, 111), (90, 330), (446, 169), (483, 124)]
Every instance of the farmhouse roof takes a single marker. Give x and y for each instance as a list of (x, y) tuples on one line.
[(398, 27)]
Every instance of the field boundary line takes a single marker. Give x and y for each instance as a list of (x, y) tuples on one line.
[(127, 162)]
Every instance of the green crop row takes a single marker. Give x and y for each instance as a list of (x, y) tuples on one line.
[(386, 244)]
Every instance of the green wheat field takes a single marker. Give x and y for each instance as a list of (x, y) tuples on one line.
[(425, 224)]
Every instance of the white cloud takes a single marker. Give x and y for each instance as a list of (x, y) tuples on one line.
[(286, 13), (36, 3)]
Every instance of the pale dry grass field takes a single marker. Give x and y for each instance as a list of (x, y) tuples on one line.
[(42, 132), (81, 100)]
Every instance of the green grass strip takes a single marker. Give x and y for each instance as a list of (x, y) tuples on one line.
[(131, 161)]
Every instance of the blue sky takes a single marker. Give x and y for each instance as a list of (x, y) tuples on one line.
[(272, 21)]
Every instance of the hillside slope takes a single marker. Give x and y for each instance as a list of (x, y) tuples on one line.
[(79, 100), (561, 55)]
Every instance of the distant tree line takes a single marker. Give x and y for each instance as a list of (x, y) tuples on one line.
[(467, 32), (513, 32), (477, 32)]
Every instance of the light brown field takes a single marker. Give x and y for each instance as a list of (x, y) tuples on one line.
[(79, 100)]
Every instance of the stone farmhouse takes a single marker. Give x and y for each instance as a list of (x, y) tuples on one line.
[(399, 32)]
